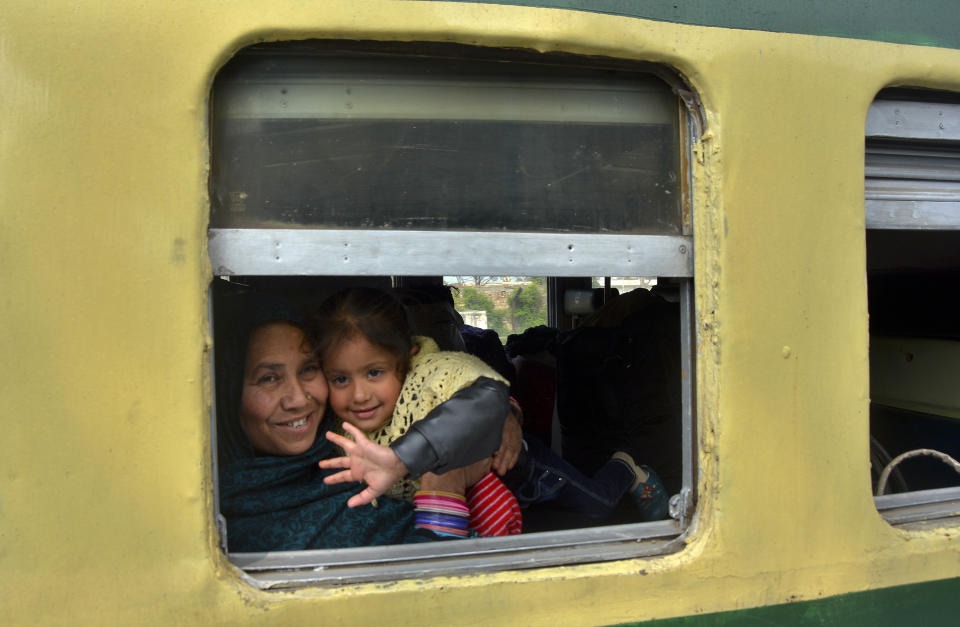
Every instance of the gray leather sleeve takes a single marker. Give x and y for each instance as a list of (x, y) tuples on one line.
[(463, 430)]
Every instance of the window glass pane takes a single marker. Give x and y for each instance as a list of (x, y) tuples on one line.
[(361, 141)]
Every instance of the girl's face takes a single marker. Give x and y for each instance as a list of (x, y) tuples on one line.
[(364, 383), (284, 392)]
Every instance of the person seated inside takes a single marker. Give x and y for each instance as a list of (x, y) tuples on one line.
[(272, 436), (382, 380)]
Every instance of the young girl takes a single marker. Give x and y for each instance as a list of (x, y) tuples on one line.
[(383, 381)]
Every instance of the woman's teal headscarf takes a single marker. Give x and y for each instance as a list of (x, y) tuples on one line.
[(281, 503)]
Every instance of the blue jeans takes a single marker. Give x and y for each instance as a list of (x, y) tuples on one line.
[(542, 476)]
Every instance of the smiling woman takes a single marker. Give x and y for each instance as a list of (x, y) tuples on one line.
[(271, 435), (284, 393)]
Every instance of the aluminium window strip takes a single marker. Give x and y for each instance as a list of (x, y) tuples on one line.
[(683, 505), (292, 569), (919, 505), (917, 215), (911, 162), (913, 120), (912, 191), (296, 251), (912, 185)]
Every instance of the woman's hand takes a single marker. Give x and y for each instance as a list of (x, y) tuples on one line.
[(377, 466), (511, 443)]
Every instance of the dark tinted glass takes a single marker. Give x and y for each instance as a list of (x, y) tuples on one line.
[(354, 141)]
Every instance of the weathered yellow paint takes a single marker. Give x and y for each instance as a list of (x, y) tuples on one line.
[(105, 502)]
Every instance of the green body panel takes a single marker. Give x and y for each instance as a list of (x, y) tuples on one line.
[(925, 23), (918, 605)]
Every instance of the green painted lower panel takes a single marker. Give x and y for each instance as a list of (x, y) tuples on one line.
[(917, 605), (921, 22)]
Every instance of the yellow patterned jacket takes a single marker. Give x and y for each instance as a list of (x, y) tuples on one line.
[(433, 378)]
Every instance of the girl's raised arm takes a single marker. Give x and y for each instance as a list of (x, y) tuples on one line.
[(377, 466), (435, 444)]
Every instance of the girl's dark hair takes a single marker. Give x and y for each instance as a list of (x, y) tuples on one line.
[(363, 312)]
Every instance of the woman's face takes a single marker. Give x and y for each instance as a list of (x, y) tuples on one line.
[(284, 392)]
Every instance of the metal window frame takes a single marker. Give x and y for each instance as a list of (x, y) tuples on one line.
[(911, 119), (396, 252), (377, 252), (912, 165), (912, 182), (919, 507), (294, 569), (318, 252)]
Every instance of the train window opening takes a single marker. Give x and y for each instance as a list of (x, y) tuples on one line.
[(508, 305), (913, 270), (530, 184)]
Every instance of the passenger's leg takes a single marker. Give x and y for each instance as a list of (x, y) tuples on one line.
[(547, 478)]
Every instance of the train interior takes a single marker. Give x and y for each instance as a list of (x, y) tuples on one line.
[(914, 308), (600, 373)]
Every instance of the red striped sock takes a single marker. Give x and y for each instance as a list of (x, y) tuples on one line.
[(494, 510)]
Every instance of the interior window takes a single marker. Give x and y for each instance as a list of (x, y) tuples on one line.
[(913, 235), (514, 179)]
